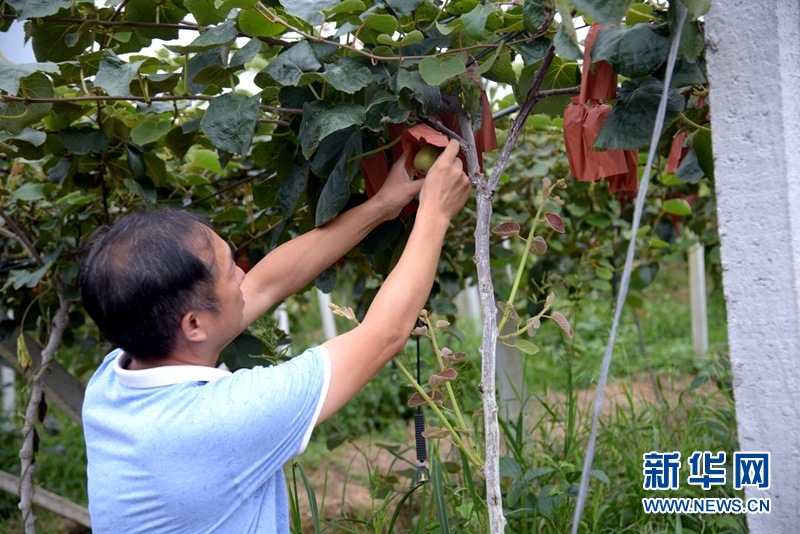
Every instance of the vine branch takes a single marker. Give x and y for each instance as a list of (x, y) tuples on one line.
[(107, 98), (516, 125), (27, 452), (22, 238), (111, 23)]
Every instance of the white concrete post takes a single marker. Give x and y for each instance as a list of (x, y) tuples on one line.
[(509, 369), (282, 318), (328, 323), (754, 70), (697, 290), (8, 395)]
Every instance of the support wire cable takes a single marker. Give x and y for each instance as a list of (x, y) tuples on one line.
[(626, 274)]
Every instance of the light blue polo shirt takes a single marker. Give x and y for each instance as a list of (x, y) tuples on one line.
[(197, 449)]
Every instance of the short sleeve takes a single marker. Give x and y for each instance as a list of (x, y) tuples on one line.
[(258, 419)]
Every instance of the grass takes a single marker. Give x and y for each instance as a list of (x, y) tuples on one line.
[(690, 407)]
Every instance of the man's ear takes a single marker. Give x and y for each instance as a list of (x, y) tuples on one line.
[(194, 326)]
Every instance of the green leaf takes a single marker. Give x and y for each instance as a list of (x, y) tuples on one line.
[(16, 116), (701, 145), (219, 35), (533, 51), (685, 73), (253, 23), (566, 40), (403, 7), (136, 163), (533, 14), (321, 119), (689, 171), (19, 278), (599, 220), (606, 12), (84, 140), (692, 41), (336, 191), (347, 78), (244, 352), (289, 66), (29, 192), (430, 97), (160, 13), (204, 11), (326, 280), (211, 75), (526, 346), (60, 171), (630, 123), (639, 13), (115, 76), (633, 52), (677, 206), (204, 158), (150, 131), (475, 21), (697, 8), (292, 187), (29, 135), (227, 5), (382, 109), (347, 6), (10, 74), (308, 10), (436, 71), (31, 9), (49, 40), (230, 122), (381, 23), (561, 74), (245, 53)]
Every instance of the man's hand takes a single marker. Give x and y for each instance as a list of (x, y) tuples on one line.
[(446, 186), (358, 355), (397, 190)]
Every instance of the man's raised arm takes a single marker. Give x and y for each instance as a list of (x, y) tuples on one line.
[(359, 354), (291, 266)]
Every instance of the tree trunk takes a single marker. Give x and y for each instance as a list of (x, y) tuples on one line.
[(491, 468)]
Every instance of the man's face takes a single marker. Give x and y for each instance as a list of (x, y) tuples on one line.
[(229, 293)]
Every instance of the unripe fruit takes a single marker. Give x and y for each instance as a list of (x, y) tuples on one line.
[(426, 157)]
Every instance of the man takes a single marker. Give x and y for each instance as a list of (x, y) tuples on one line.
[(177, 445)]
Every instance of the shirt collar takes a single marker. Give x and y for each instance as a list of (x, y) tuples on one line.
[(166, 375)]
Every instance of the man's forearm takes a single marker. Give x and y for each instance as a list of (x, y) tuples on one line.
[(406, 289), (291, 266)]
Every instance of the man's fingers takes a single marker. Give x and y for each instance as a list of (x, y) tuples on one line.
[(415, 187), (451, 151)]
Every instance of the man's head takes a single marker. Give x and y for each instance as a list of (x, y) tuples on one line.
[(146, 275)]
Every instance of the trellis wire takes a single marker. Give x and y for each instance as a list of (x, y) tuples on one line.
[(626, 273)]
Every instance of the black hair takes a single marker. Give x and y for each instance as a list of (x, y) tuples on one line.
[(144, 274)]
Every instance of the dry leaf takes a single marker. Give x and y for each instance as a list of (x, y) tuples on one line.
[(538, 245), (435, 433), (563, 323), (512, 313), (555, 222), (506, 229)]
